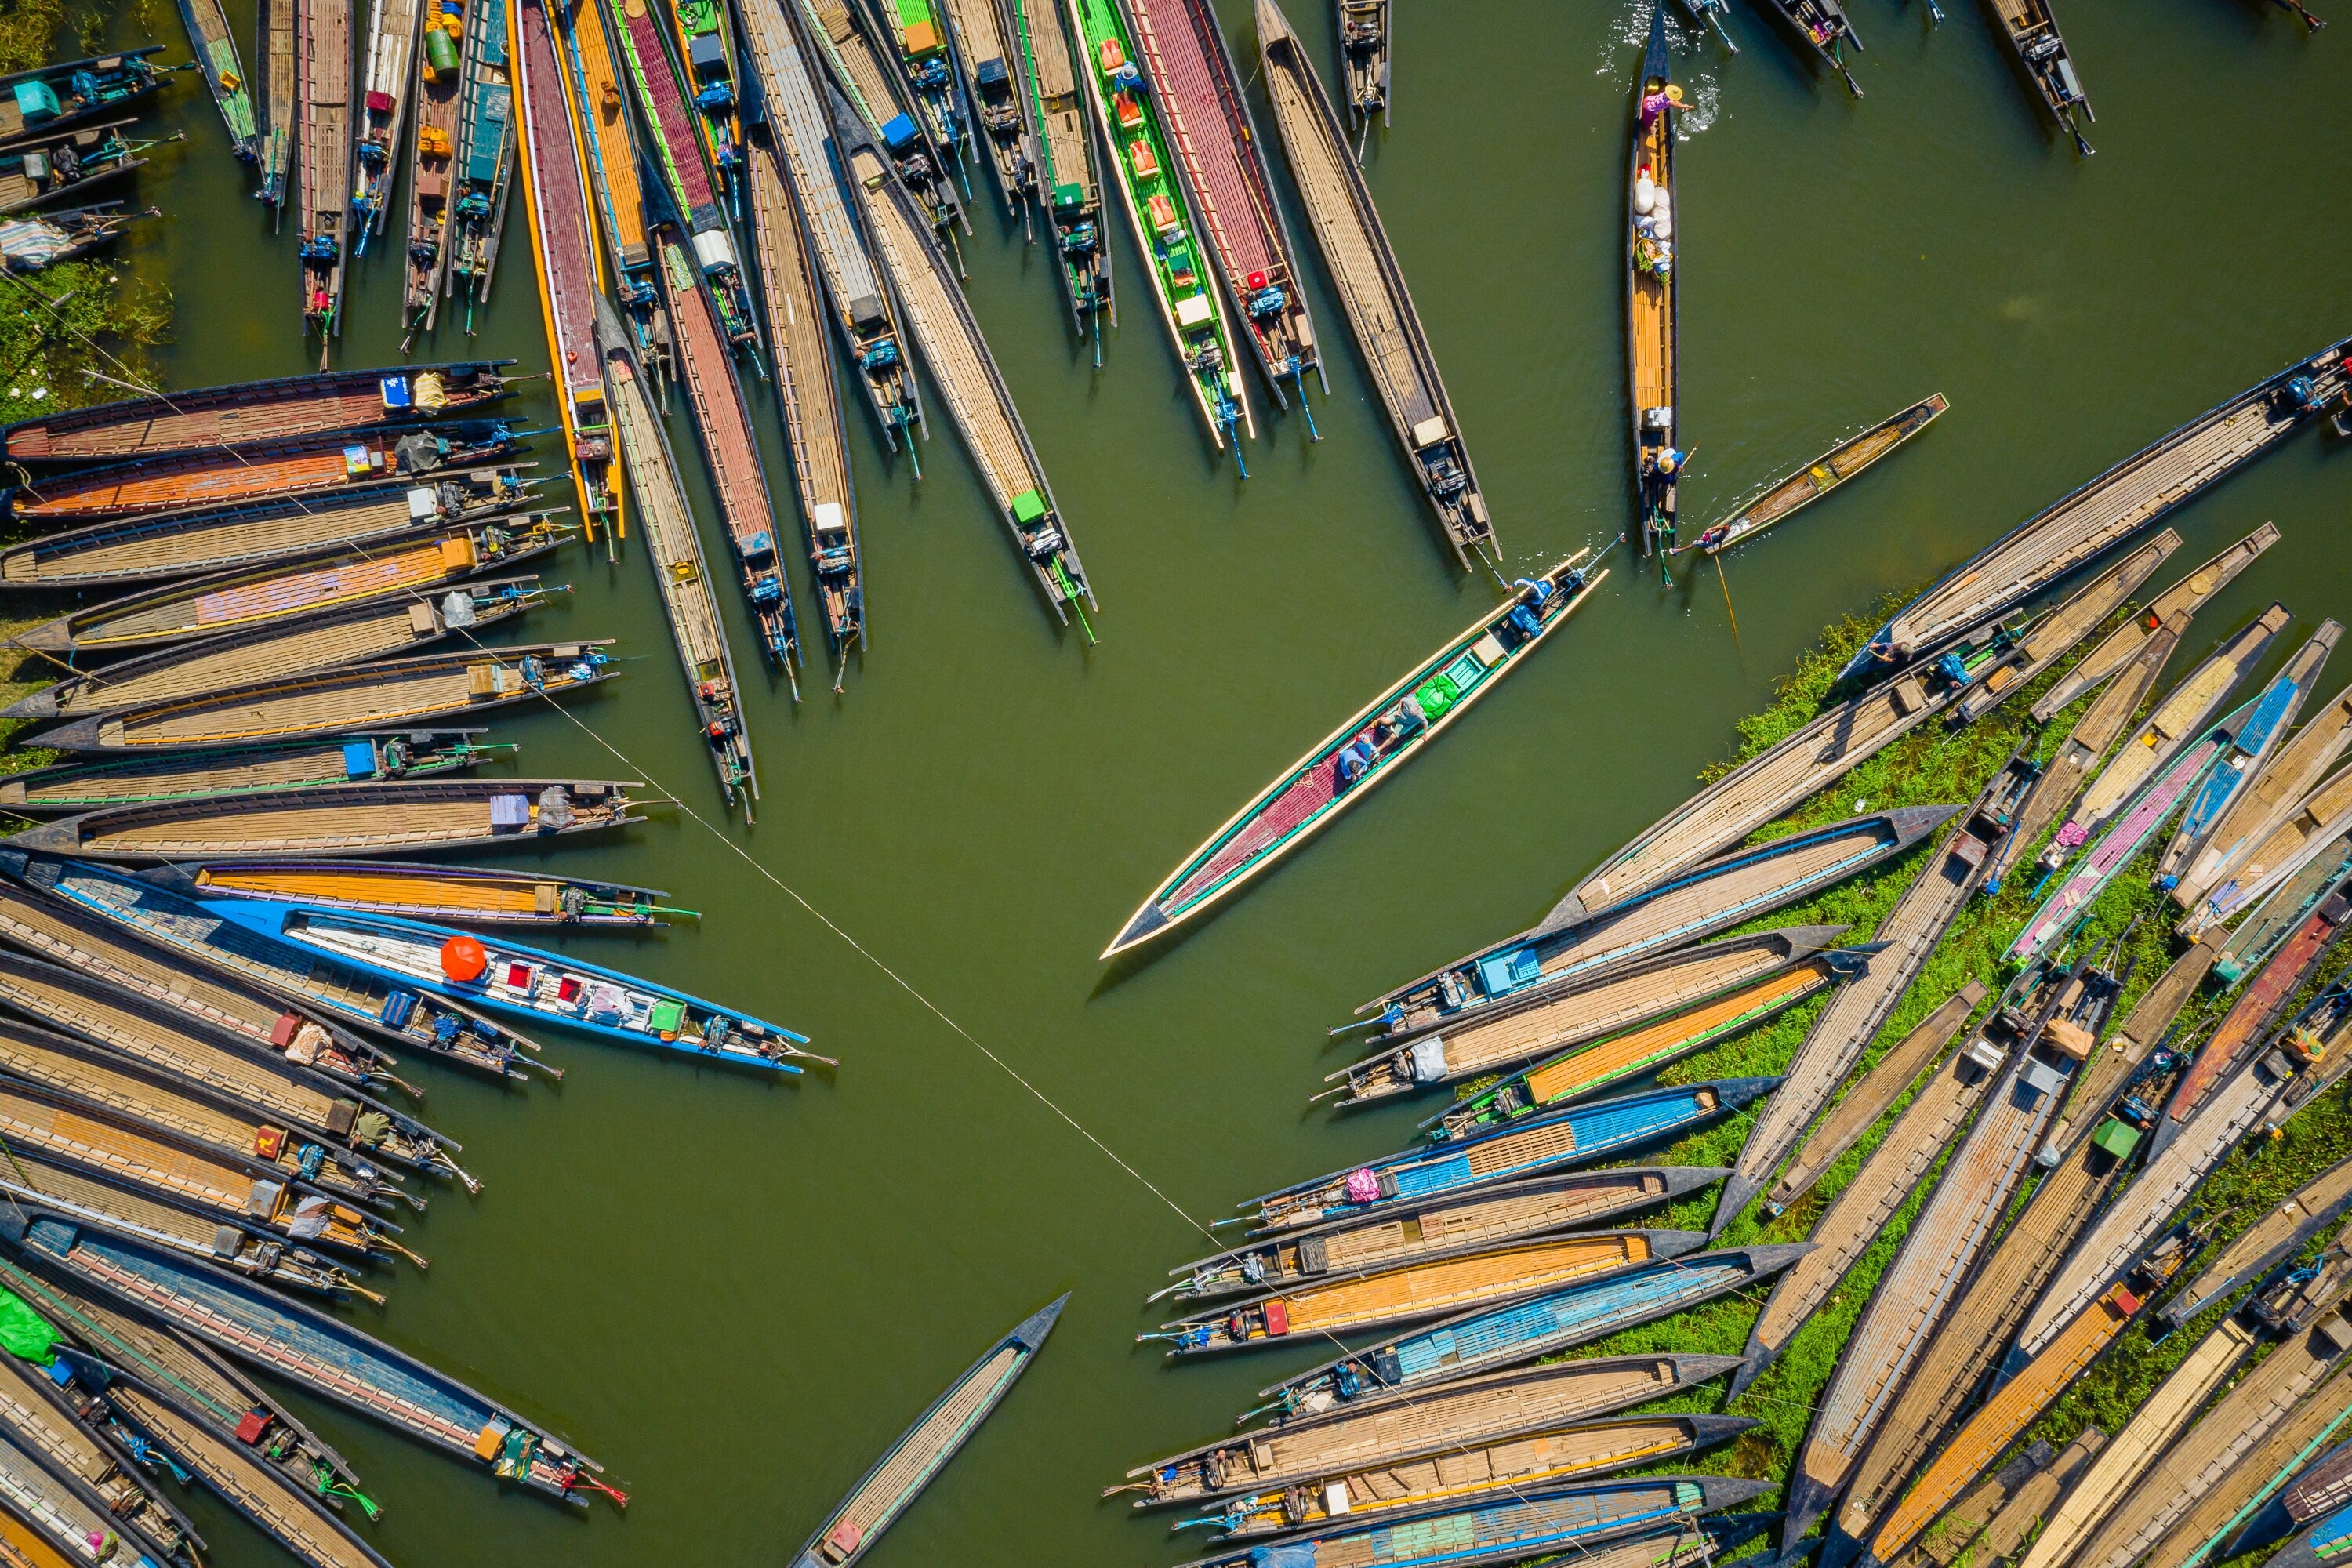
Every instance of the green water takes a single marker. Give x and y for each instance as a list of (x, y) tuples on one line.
[(735, 1293)]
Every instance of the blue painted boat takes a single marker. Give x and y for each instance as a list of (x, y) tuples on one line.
[(316, 1353), (1576, 1136), (505, 976), (1542, 1324), (2249, 745), (336, 992), (1654, 1523)]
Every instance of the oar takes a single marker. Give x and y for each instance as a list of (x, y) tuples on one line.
[(2314, 22), (1714, 15), (1727, 610)]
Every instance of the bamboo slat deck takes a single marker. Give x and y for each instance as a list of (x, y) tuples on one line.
[(2278, 1235), (1069, 185), (184, 545), (2001, 1512), (281, 409), (666, 113), (84, 786), (57, 1503), (485, 157), (1869, 1097), (1372, 288), (277, 118), (859, 71), (1818, 478), (2252, 744), (2124, 644), (432, 167), (385, 75), (39, 1421), (325, 84), (1222, 163), (925, 68), (2284, 782), (2293, 866), (1467, 1475), (1384, 1430), (996, 101), (375, 628), (981, 404), (1364, 58), (389, 694), (2109, 510), (1844, 1029), (2217, 1514), (1511, 1212), (600, 117), (2041, 48), (1652, 296), (471, 895)]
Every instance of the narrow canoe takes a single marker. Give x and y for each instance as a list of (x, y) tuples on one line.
[(608, 147), (1364, 58), (1576, 1136), (2014, 1502), (359, 819), (2293, 866), (1358, 1300), (392, 693), (503, 976), (326, 93), (912, 36), (313, 465), (207, 419), (1816, 479), (46, 240), (72, 163), (2293, 774), (264, 598), (50, 97), (1582, 1521), (1000, 112), (1373, 1431), (2250, 746), (1373, 743), (1653, 294), (433, 150), (2180, 720), (315, 1353), (485, 158), (351, 633), (856, 62), (899, 1476), (277, 118), (64, 1509), (2279, 1235), (2322, 1489), (193, 543), (65, 787), (387, 66), (470, 895), (1069, 177), (2123, 646), (1823, 30), (2033, 32)]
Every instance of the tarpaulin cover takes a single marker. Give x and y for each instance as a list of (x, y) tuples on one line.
[(25, 1332)]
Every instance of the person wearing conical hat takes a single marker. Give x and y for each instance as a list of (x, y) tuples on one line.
[(1656, 103)]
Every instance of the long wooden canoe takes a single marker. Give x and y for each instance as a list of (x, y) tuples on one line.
[(1371, 285), (326, 82), (1710, 897), (194, 544), (2283, 975), (433, 152), (1485, 1216), (2293, 772), (2104, 513), (1374, 1430), (1069, 177), (387, 66), (2322, 1489), (1818, 478), (983, 58), (899, 1476), (470, 895), (1576, 1136), (393, 693), (1653, 295), (2250, 746), (73, 1492), (2198, 1536), (275, 115), (2033, 32), (2124, 644), (2279, 1235), (65, 787), (610, 155), (1823, 30), (1364, 59), (485, 158), (1359, 1300), (311, 1351), (312, 466), (912, 37), (1374, 743), (2292, 867)]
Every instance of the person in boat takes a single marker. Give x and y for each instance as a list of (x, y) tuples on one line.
[(1665, 463), (1657, 102)]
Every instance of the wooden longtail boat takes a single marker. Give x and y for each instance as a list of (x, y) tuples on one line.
[(386, 74), (470, 895), (311, 1351), (705, 44), (928, 77), (2292, 867), (218, 1065), (722, 421), (485, 156), (357, 1002), (1490, 1337), (923, 1450), (608, 153), (1375, 1430), (1870, 1097), (942, 323), (2012, 1502), (1845, 1029), (1586, 1071), (2275, 795), (1168, 234), (2279, 1235), (2109, 510), (50, 98), (1821, 28), (279, 122), (30, 244), (1552, 1018), (1844, 737), (439, 83), (680, 575), (570, 267), (2198, 1538), (524, 981), (1816, 479), (858, 63), (187, 1379), (1374, 743), (1510, 1532), (1372, 288), (1708, 898), (2033, 32), (1069, 180), (860, 299), (72, 1437), (386, 694), (354, 818), (808, 401), (71, 162), (373, 628), (1364, 59), (1572, 1137), (2125, 645), (255, 603), (1441, 1288), (305, 468), (1561, 1462), (83, 786), (2250, 746), (1653, 294), (999, 109), (288, 408), (1221, 160), (1484, 1217)]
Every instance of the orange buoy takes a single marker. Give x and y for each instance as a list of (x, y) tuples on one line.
[(462, 960)]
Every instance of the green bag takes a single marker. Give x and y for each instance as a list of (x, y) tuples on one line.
[(25, 1332), (1436, 696)]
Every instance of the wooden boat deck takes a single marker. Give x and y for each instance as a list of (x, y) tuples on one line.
[(1372, 288), (213, 44), (670, 116), (1818, 478), (1653, 301), (2249, 752), (1069, 185), (277, 119), (81, 786), (485, 157), (474, 895), (600, 112), (386, 74), (432, 152), (2274, 796), (2278, 1235), (2294, 865), (324, 88), (1364, 58), (281, 409), (94, 1143), (2181, 721), (95, 1480), (2123, 646), (996, 101), (2041, 48), (304, 467)]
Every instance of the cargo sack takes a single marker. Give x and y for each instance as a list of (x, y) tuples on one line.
[(1429, 1059), (25, 1334)]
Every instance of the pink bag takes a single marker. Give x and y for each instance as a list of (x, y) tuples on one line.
[(1363, 1187)]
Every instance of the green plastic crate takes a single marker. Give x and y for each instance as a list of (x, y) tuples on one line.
[(2117, 1138), (1029, 507), (666, 1016)]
